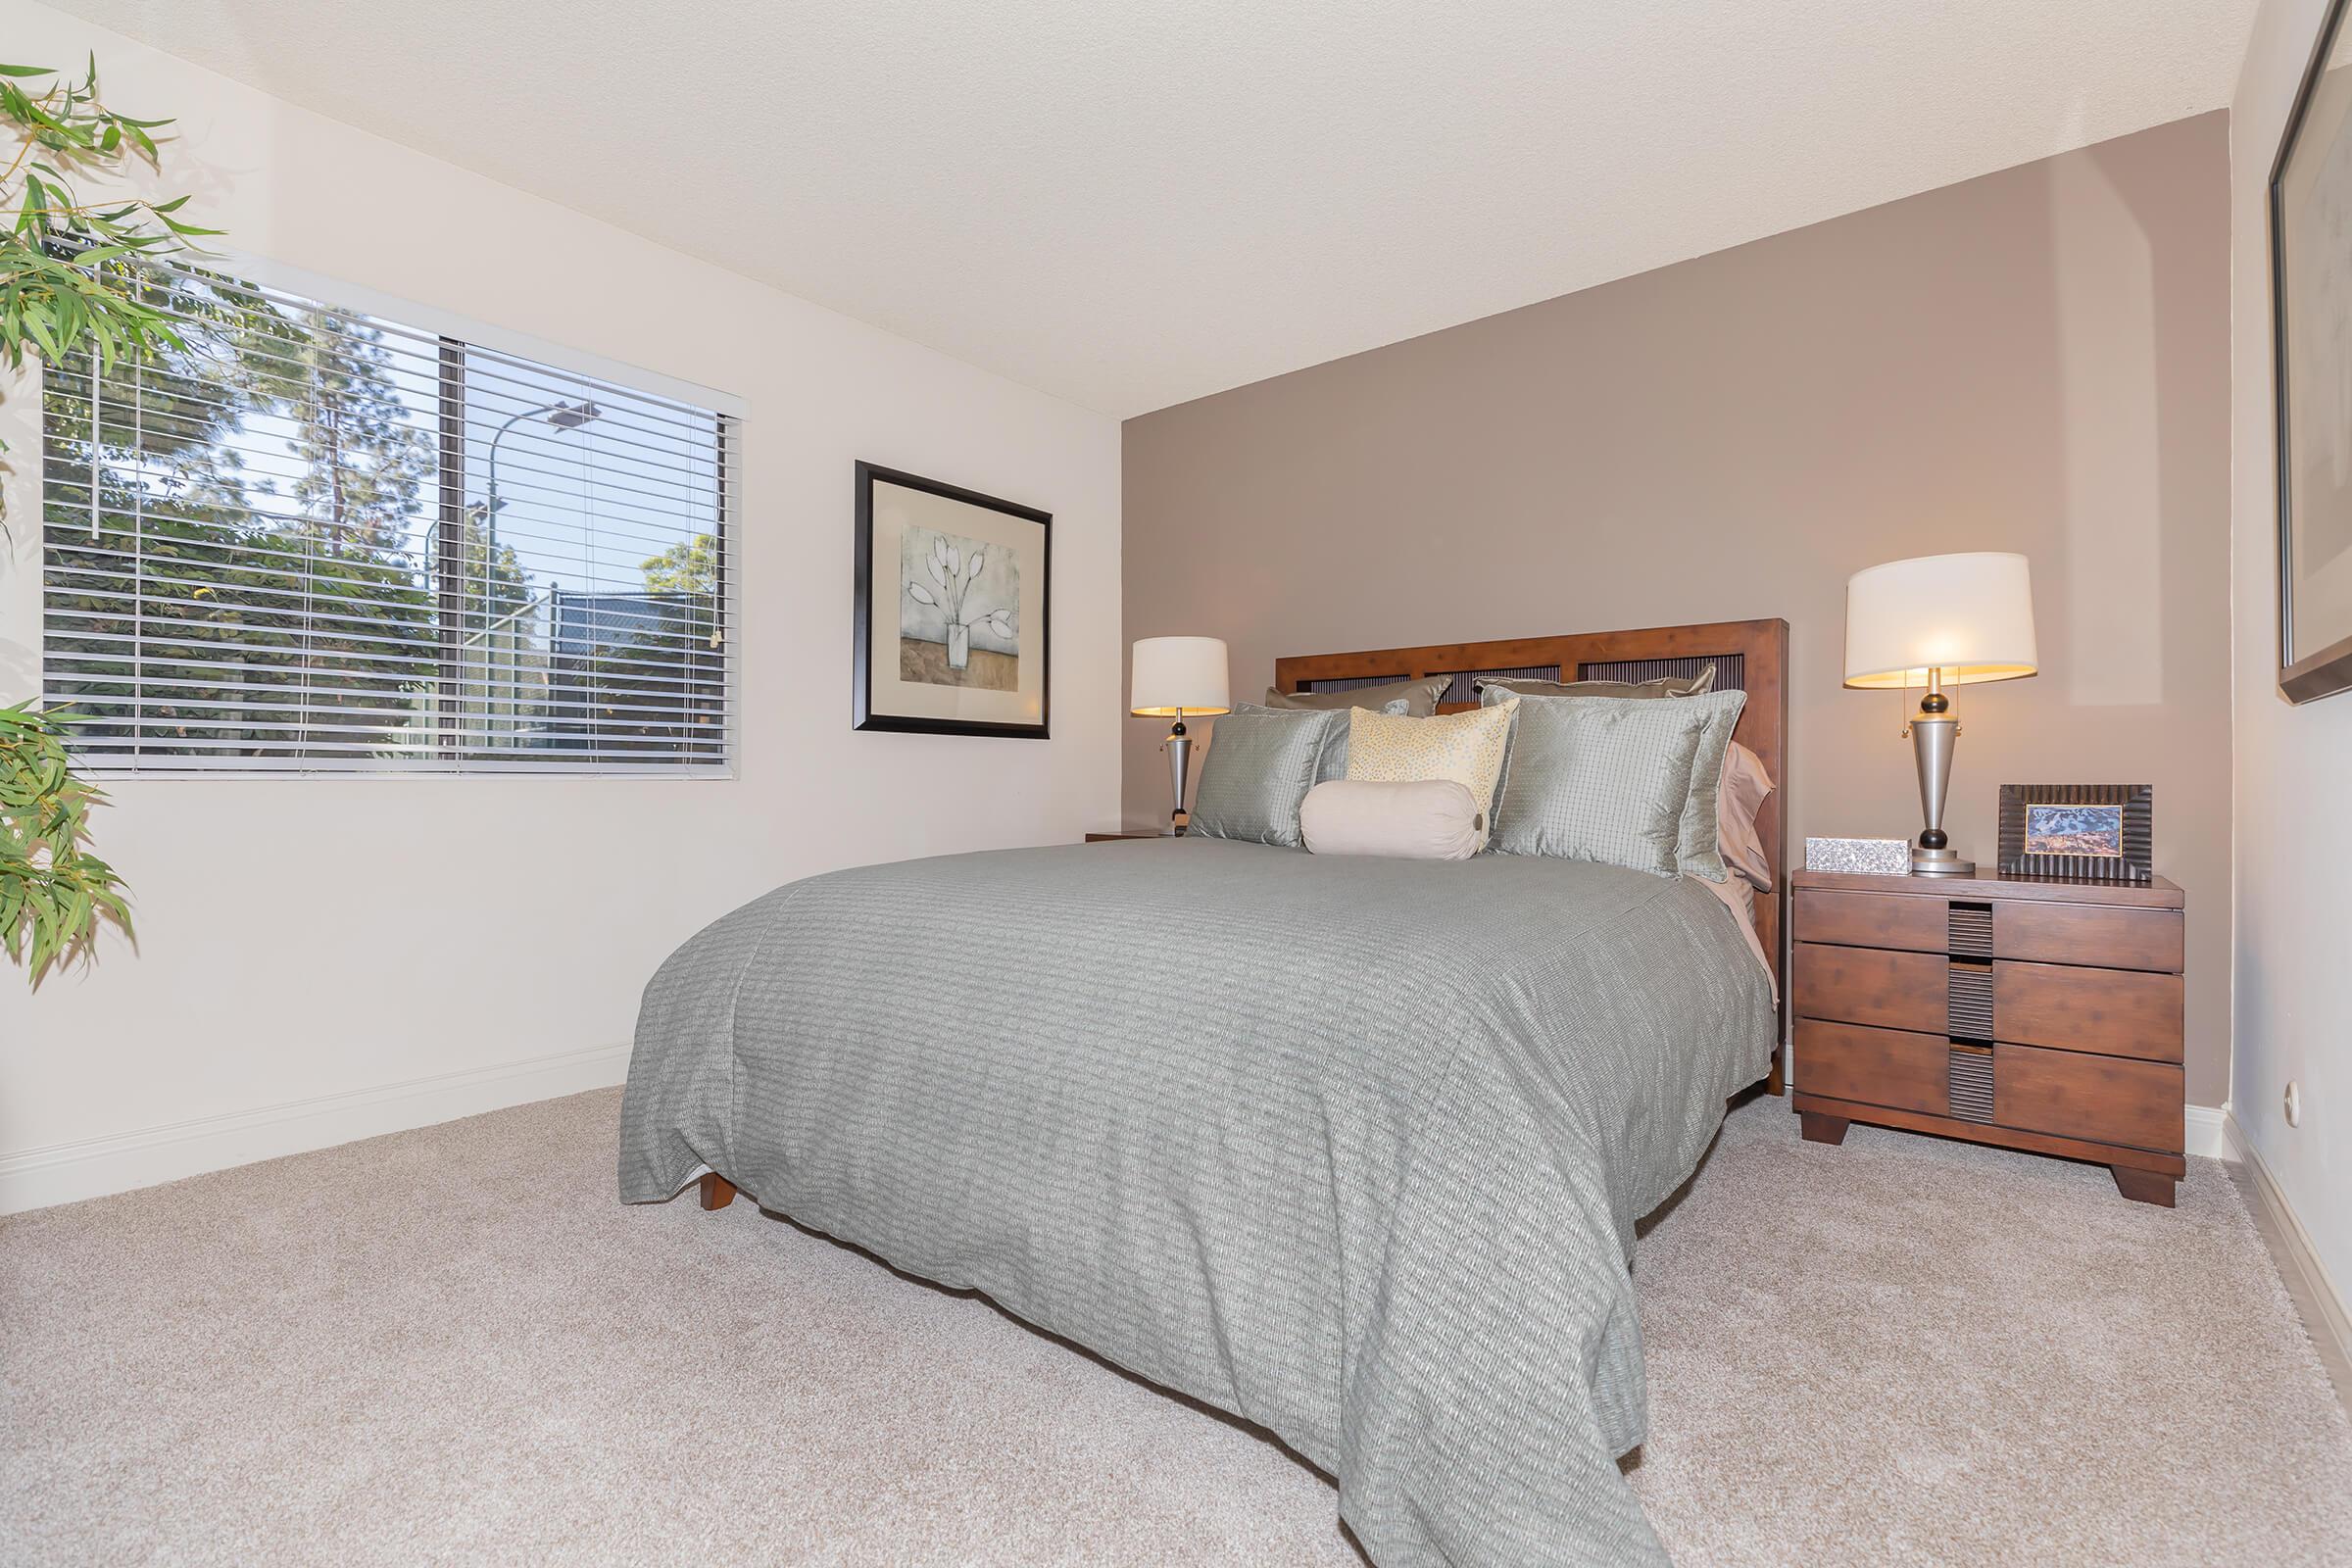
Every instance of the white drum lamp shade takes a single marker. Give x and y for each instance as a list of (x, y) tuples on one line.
[(1178, 676), (1968, 617), (1939, 620)]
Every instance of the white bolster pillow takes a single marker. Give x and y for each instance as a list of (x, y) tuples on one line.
[(1423, 819)]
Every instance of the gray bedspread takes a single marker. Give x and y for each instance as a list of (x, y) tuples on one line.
[(1350, 1147)]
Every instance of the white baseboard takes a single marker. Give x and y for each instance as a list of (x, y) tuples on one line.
[(2331, 1320), (2206, 1134), (65, 1173)]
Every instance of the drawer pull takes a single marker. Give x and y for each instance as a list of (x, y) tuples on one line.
[(1972, 1083), (1967, 930), (1968, 1001)]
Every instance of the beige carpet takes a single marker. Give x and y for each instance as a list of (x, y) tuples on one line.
[(452, 1345)]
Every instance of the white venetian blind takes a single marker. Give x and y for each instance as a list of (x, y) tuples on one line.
[(319, 540)]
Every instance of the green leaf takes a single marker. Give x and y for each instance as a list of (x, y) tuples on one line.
[(27, 70)]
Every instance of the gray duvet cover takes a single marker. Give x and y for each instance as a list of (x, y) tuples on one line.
[(1350, 1147)]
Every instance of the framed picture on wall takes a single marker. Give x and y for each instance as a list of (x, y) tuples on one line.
[(2311, 323), (950, 617)]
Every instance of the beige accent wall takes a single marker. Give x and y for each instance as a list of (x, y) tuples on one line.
[(2034, 361)]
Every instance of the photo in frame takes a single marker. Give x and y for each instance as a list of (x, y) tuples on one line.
[(2095, 832), (950, 617), (2311, 324)]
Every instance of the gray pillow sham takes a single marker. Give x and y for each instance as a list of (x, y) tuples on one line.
[(1597, 778), (1334, 743), (1420, 697), (1260, 766), (1698, 846), (1698, 685)]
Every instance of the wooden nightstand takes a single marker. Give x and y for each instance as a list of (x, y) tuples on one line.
[(2034, 1013)]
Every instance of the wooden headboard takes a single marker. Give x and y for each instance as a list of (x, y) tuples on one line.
[(1752, 656)]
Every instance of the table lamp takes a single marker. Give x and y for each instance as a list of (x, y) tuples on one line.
[(1174, 677), (1949, 620)]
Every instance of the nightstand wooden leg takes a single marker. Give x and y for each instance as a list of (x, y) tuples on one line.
[(719, 1191), (1822, 1128), (2143, 1186)]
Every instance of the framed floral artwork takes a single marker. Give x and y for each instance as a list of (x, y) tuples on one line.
[(950, 618)]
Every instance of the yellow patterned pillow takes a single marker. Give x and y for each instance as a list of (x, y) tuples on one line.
[(1466, 748)]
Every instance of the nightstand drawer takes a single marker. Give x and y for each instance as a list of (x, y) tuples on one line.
[(2102, 1098), (1874, 921), (2037, 932), (2117, 1012), (1868, 985), (1874, 1066), (2073, 933)]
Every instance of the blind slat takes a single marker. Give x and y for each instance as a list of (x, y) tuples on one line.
[(683, 614), (399, 342), (615, 764), (623, 455), (73, 538)]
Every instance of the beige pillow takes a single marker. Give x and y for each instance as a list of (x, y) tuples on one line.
[(1746, 785), (1420, 697), (1698, 685), (1421, 819), (1466, 748)]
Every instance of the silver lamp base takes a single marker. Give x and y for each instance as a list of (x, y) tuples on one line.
[(1180, 758), (1933, 729)]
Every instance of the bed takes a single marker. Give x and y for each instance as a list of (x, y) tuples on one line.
[(1350, 1147)]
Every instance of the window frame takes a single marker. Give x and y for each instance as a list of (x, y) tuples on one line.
[(463, 332)]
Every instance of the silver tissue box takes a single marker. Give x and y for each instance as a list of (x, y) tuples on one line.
[(1868, 856)]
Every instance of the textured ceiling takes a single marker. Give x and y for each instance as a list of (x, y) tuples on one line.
[(1132, 203)]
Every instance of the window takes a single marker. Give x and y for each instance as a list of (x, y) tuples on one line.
[(316, 540)]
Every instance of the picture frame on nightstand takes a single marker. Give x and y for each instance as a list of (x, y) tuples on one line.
[(2093, 832)]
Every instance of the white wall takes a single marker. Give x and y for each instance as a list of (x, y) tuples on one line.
[(381, 953), (2294, 896)]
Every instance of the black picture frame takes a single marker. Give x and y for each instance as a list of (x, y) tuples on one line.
[(2135, 851), (2326, 670), (864, 712)]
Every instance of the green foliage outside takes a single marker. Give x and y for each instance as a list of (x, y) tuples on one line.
[(689, 567), (287, 591)]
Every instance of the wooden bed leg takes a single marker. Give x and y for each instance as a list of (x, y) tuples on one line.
[(1773, 1083), (718, 1190), (1819, 1127), (2143, 1186)]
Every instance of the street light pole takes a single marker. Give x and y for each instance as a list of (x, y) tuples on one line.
[(561, 416)]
